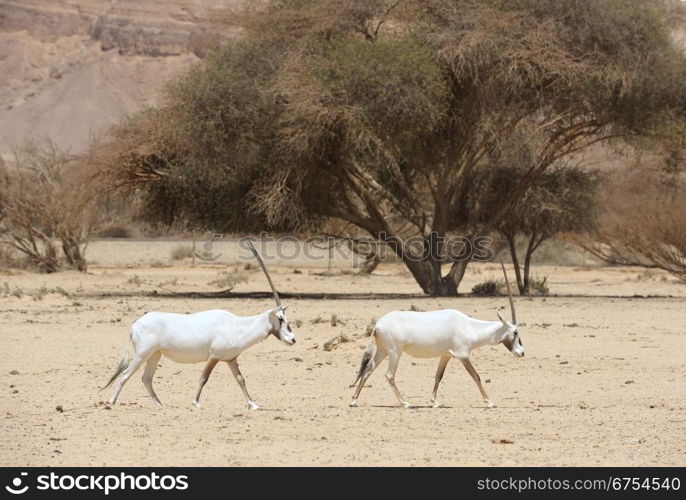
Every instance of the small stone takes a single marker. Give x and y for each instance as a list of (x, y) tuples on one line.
[(14, 372), (59, 409), (629, 382)]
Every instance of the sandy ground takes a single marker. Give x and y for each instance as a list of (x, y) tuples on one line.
[(603, 381)]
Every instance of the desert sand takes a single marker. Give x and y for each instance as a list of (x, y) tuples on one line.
[(602, 383)]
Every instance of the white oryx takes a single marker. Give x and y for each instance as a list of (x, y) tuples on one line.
[(209, 336), (441, 334)]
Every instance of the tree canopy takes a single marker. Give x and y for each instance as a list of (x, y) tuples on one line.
[(376, 113)]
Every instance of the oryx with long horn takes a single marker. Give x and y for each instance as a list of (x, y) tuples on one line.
[(207, 336), (441, 334)]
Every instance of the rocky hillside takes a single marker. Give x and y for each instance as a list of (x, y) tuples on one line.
[(68, 68)]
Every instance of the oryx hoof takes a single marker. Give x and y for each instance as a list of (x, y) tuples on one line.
[(253, 406), (407, 405), (489, 404), (196, 404), (353, 404)]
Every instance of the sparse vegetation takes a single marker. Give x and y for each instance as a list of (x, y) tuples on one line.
[(489, 288), (180, 252), (40, 293), (114, 232), (136, 280), (539, 285), (332, 344), (170, 282), (335, 320), (228, 280), (8, 291)]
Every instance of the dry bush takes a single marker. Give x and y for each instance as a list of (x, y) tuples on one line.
[(46, 212), (228, 280), (114, 231), (180, 252), (9, 258), (644, 223), (489, 288)]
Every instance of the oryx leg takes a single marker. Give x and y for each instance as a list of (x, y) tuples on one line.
[(439, 376), (134, 365), (233, 364), (393, 359), (470, 368), (150, 368), (379, 356), (211, 363)]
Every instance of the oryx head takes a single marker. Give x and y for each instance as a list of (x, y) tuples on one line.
[(280, 327), (511, 339), (278, 321)]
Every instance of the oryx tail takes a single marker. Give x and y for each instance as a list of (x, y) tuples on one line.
[(123, 364), (366, 358)]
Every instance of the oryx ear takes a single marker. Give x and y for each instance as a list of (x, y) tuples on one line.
[(283, 308), (500, 317)]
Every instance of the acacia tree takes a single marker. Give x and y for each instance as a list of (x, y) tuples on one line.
[(376, 113), (564, 199)]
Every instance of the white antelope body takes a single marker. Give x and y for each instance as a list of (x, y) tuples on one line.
[(207, 336), (443, 334)]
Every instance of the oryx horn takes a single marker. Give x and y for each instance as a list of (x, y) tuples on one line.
[(264, 268), (509, 294)]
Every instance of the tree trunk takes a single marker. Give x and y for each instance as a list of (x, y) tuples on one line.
[(370, 263), (522, 283), (534, 242), (427, 275), (527, 263), (456, 274), (72, 252), (48, 261)]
